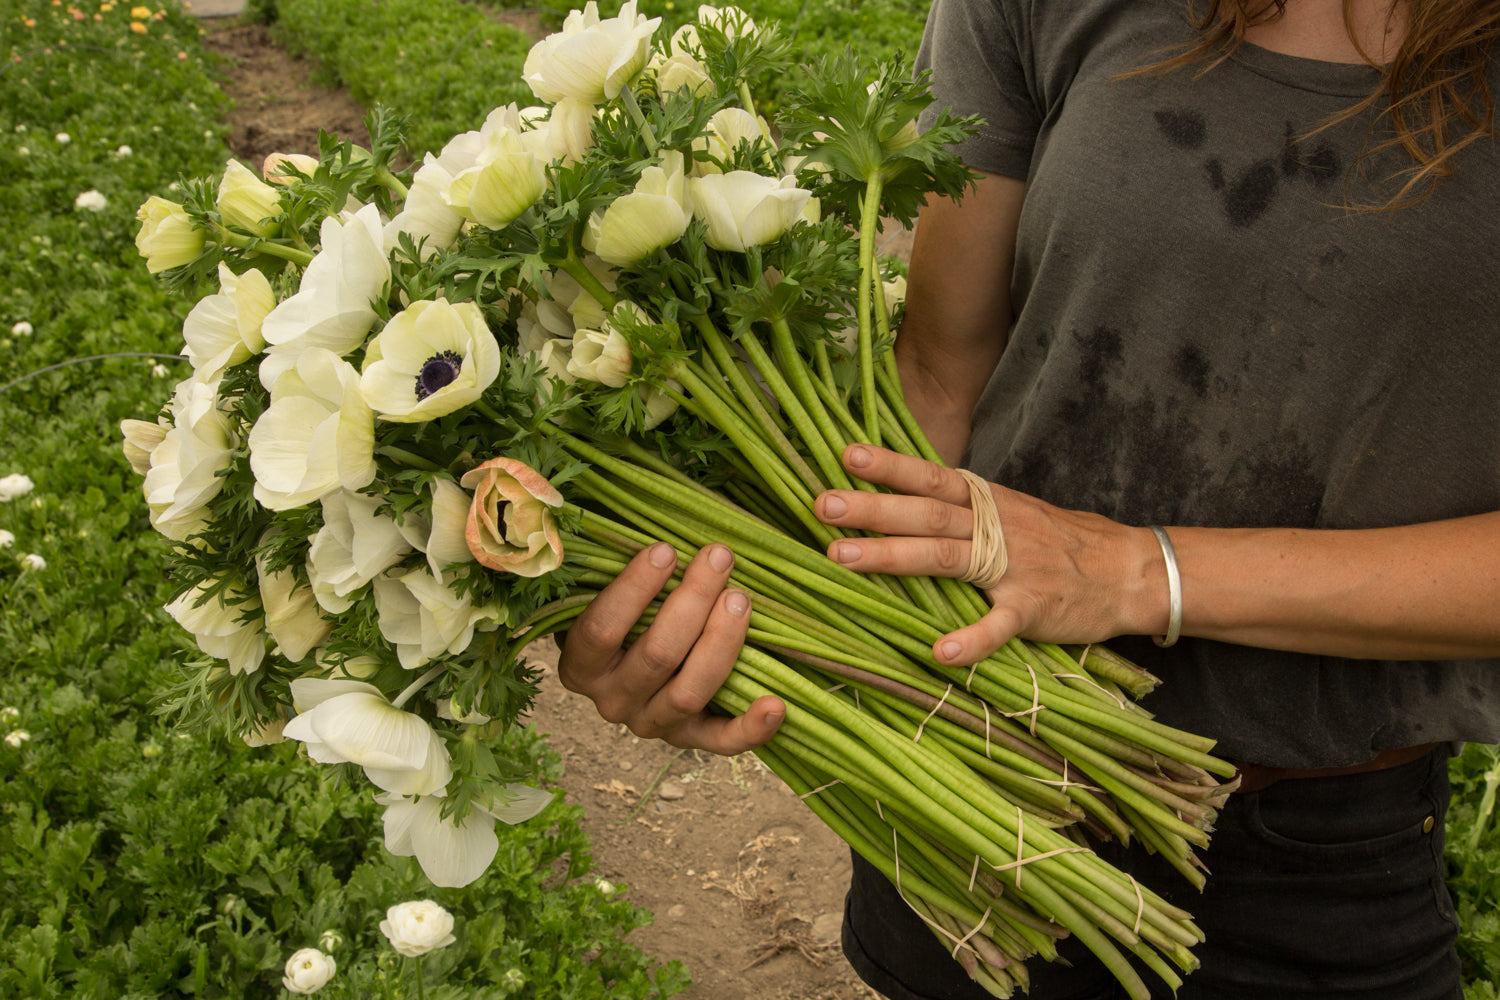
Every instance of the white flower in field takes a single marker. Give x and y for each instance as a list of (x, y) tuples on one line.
[(357, 543), (653, 215), (744, 209), (9, 715), (333, 309), (432, 358), (168, 236), (590, 60), (23, 151), (506, 179), (63, 138), (184, 466), (22, 329), (308, 971), (445, 545), (606, 888), (7, 539), (15, 485), (16, 737), (352, 722), (224, 329), (317, 435), (33, 562), (225, 622), (247, 202), (424, 619), (124, 151), (417, 927), (292, 615), (90, 201), (159, 371)]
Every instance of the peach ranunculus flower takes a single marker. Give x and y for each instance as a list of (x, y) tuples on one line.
[(511, 526)]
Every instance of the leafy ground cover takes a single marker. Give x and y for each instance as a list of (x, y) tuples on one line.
[(137, 861)]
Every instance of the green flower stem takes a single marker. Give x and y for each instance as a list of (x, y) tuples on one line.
[(254, 243), (405, 457), (802, 385), (824, 367), (824, 458), (576, 270), (868, 274), (890, 392), (746, 100), (634, 109), (391, 182), (417, 685)]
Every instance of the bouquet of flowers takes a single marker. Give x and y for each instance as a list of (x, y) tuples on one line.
[(434, 410)]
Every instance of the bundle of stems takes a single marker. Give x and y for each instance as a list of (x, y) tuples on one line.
[(975, 789)]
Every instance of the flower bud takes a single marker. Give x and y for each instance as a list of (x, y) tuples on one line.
[(247, 202), (168, 236)]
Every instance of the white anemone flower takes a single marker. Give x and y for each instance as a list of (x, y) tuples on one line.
[(653, 215), (224, 329), (424, 619), (562, 134), (317, 435), (247, 202), (292, 615), (184, 473), (334, 306), (505, 180), (432, 358), (351, 722), (727, 130), (355, 545), (426, 216), (226, 625), (454, 854), (744, 209), (445, 545), (590, 60)]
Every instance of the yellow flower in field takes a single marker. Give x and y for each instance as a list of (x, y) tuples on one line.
[(106, 7), (138, 27), (140, 13)]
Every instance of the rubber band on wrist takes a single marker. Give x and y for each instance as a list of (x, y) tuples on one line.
[(1174, 590)]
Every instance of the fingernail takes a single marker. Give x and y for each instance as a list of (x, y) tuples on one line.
[(834, 506), (845, 552), (773, 719), (736, 603), (857, 458), (951, 649), (720, 558), (662, 555)]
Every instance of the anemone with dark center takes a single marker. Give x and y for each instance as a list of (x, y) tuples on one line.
[(438, 371)]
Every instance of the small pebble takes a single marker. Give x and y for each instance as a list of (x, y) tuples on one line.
[(671, 790), (677, 912)]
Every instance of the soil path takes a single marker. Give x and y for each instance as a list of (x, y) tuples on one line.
[(746, 883)]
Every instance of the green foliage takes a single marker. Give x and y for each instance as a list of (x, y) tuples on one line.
[(1473, 853)]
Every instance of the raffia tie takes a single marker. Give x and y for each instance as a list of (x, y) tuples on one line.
[(987, 556)]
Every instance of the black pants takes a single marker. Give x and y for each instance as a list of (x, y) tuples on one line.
[(1319, 888)]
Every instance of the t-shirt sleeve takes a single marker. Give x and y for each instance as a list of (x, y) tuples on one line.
[(979, 58)]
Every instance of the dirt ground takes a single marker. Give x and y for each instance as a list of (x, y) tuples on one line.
[(746, 883)]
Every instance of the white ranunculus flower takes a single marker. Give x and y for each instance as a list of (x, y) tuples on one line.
[(590, 60), (247, 202), (17, 484), (185, 466), (308, 971), (22, 329), (224, 329), (350, 722), (744, 209), (292, 615), (432, 358), (7, 539), (317, 435), (654, 215), (63, 138), (424, 619), (16, 738), (226, 625), (123, 151), (506, 179), (168, 236), (417, 927), (356, 544), (334, 307), (90, 201), (33, 562)]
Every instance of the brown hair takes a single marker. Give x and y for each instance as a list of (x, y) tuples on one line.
[(1437, 87)]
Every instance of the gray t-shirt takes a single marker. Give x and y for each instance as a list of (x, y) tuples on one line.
[(1206, 335)]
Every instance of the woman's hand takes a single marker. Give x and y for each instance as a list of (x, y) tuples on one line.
[(1072, 576), (660, 684)]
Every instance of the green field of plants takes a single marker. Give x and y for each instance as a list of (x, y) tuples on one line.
[(139, 859)]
